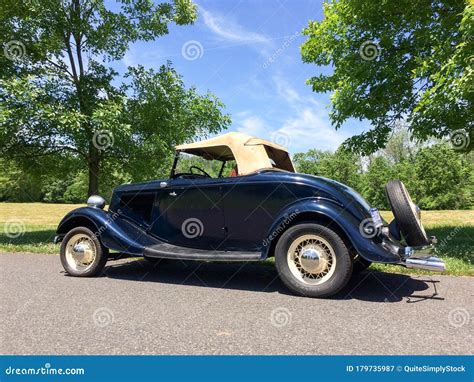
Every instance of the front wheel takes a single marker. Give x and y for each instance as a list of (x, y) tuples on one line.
[(82, 254), (312, 260)]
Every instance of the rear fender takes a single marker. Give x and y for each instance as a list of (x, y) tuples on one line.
[(113, 231), (367, 248)]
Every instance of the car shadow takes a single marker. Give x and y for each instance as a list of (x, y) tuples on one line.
[(373, 286)]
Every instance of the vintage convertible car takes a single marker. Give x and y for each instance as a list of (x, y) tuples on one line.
[(318, 230)]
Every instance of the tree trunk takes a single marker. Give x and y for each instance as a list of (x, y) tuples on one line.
[(93, 163)]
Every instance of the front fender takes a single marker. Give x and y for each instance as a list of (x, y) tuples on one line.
[(113, 231), (367, 248)]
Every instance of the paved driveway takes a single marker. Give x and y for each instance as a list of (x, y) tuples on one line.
[(215, 308)]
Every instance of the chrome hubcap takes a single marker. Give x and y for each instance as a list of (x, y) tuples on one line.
[(80, 252), (311, 259)]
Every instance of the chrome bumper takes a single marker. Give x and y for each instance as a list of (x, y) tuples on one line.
[(431, 263)]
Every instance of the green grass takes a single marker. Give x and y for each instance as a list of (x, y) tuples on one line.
[(37, 223)]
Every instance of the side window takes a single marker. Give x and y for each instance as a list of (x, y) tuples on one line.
[(137, 205)]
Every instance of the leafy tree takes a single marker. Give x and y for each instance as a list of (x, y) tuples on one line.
[(406, 172), (59, 94), (164, 113), (309, 162), (379, 173), (342, 165), (436, 176), (400, 147), (444, 178), (396, 60), (17, 186)]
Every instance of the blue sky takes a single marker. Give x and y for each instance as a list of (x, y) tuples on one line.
[(248, 54)]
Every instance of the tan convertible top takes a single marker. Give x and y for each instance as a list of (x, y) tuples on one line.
[(251, 154)]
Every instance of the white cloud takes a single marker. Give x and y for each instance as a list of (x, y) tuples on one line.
[(311, 129), (305, 126), (285, 91), (251, 124), (146, 54), (228, 29)]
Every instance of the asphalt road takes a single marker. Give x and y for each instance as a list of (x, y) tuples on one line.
[(215, 308)]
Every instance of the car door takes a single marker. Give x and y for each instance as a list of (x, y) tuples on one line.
[(251, 204), (188, 213)]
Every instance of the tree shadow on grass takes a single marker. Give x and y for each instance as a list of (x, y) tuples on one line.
[(454, 242), (27, 238)]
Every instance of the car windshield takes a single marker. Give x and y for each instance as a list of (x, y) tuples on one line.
[(215, 168)]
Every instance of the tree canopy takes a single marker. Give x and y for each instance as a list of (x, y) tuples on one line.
[(61, 96), (387, 61)]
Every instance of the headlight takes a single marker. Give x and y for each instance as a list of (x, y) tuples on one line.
[(96, 201)]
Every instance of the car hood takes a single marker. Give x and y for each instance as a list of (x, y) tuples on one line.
[(333, 190)]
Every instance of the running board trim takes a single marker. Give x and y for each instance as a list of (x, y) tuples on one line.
[(168, 251)]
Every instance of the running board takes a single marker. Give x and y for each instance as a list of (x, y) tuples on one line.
[(169, 251)]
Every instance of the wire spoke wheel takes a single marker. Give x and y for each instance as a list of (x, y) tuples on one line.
[(311, 259), (80, 252)]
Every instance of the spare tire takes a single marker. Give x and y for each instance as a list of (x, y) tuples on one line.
[(406, 214)]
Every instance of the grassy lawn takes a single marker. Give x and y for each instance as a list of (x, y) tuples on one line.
[(36, 224)]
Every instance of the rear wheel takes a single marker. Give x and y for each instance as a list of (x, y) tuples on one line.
[(313, 260), (407, 214), (82, 254)]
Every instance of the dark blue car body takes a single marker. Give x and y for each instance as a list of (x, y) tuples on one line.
[(235, 218)]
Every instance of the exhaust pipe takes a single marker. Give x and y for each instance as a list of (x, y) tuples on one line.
[(432, 263)]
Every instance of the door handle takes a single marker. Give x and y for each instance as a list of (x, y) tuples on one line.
[(173, 193)]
